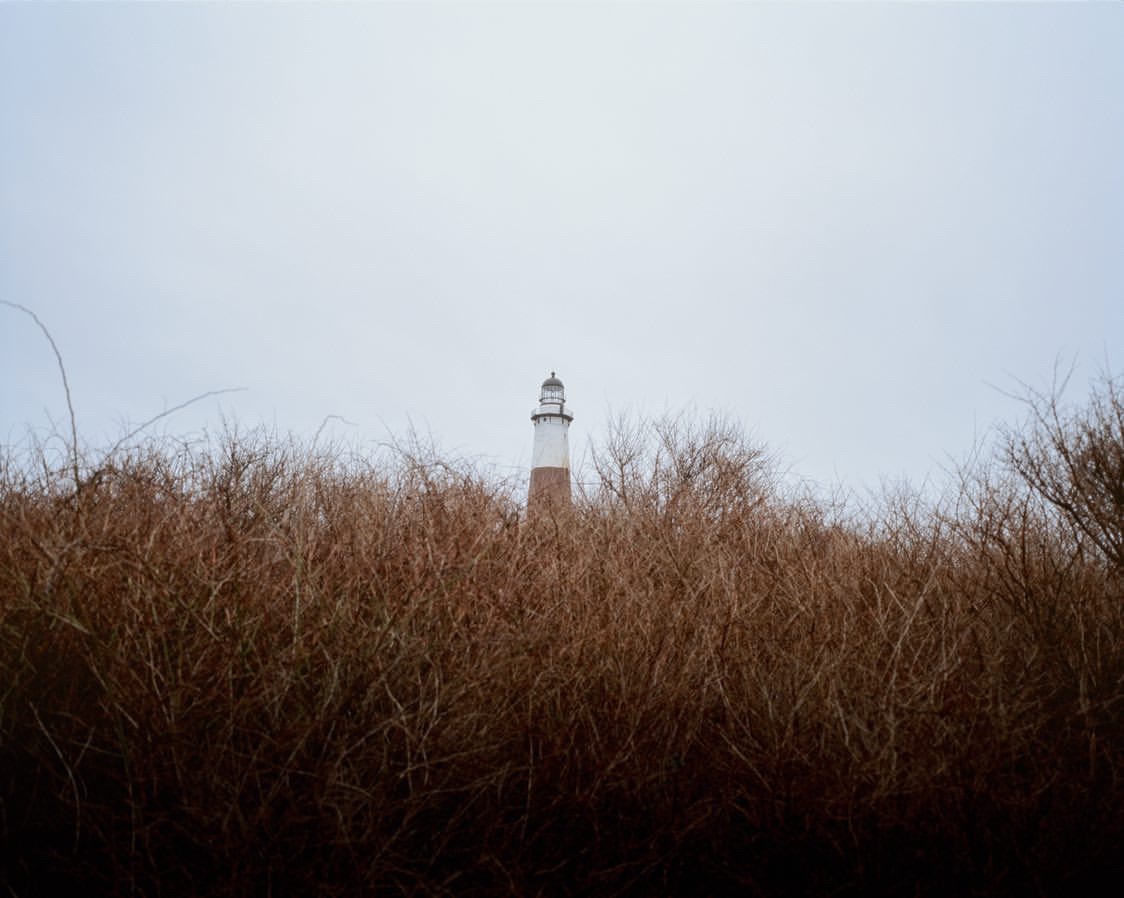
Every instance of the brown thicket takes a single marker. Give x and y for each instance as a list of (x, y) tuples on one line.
[(252, 668)]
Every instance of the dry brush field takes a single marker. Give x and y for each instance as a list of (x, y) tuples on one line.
[(250, 667)]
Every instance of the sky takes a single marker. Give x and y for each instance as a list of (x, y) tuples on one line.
[(852, 229)]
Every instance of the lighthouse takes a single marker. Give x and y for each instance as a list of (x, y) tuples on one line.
[(550, 460)]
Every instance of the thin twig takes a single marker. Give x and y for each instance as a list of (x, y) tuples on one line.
[(65, 385), (69, 773), (170, 411)]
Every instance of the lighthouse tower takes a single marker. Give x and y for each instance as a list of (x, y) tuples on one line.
[(550, 460)]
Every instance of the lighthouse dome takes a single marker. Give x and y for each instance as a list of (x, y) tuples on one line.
[(552, 390)]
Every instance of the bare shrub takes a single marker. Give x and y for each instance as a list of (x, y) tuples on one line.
[(251, 666), (1074, 459)]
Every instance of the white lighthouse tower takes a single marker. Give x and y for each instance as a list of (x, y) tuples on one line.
[(550, 460)]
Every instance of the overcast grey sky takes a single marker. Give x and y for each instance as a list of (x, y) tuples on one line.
[(839, 224)]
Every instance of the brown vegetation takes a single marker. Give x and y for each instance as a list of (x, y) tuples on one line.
[(251, 668)]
